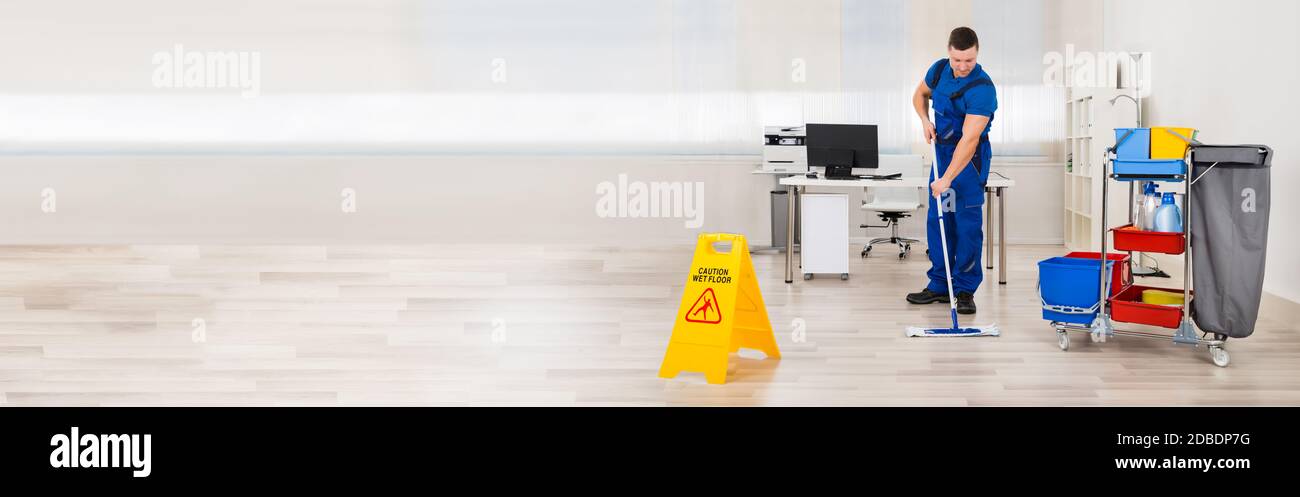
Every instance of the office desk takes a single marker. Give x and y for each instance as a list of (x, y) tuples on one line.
[(996, 186)]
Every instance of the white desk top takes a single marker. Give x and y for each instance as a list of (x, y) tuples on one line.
[(893, 162), (915, 182)]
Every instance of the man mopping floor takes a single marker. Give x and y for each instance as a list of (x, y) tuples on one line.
[(955, 330), (964, 102)]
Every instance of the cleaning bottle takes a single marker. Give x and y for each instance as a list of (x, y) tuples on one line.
[(1168, 218), (1139, 214), (1150, 202)]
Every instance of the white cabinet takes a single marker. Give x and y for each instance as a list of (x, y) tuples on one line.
[(824, 246)]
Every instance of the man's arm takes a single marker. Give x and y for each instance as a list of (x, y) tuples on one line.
[(971, 129), (921, 102)]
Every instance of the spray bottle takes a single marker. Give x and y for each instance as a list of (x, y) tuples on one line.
[(1150, 202)]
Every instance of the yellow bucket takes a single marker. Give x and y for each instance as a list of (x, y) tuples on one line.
[(1165, 144), (1161, 297)]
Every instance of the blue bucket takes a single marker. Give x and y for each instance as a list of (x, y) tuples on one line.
[(1069, 288), (1149, 169), (1137, 146)]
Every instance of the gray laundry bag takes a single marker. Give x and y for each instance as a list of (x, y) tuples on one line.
[(1229, 225)]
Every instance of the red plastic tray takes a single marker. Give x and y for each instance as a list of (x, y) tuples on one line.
[(1131, 240), (1127, 307), (1119, 273)]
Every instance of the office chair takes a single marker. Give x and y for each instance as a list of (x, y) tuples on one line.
[(893, 204)]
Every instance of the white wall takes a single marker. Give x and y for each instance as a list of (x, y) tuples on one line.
[(400, 198), (352, 50), (298, 199), (1226, 68)]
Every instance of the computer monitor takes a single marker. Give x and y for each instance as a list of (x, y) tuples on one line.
[(841, 145)]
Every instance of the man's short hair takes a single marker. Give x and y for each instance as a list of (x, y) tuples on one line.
[(963, 38)]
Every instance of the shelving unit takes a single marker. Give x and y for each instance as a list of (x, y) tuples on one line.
[(1091, 119)]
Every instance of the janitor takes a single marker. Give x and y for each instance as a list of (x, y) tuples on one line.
[(964, 100)]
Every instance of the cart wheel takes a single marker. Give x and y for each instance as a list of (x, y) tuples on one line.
[(1220, 356), (844, 276), (1095, 336), (1063, 339), (902, 255), (866, 251), (807, 276)]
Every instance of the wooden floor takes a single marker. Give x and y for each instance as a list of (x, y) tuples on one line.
[(548, 325)]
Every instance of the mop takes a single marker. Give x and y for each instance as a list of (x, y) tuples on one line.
[(956, 331)]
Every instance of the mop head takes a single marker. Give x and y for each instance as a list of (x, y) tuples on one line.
[(978, 331)]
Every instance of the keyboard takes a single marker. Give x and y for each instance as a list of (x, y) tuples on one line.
[(867, 176)]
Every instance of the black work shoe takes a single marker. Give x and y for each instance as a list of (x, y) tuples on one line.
[(927, 297), (965, 303)]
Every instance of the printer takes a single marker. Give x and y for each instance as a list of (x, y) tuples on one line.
[(784, 150)]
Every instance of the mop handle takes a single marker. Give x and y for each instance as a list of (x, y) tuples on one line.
[(943, 236)]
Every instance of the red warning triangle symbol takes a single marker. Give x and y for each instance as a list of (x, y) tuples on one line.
[(705, 309)]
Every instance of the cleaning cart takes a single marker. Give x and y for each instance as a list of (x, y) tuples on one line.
[(1220, 300)]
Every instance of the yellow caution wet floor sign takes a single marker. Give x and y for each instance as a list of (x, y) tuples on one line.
[(721, 312)]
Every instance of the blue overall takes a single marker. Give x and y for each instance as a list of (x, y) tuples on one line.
[(952, 99)]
